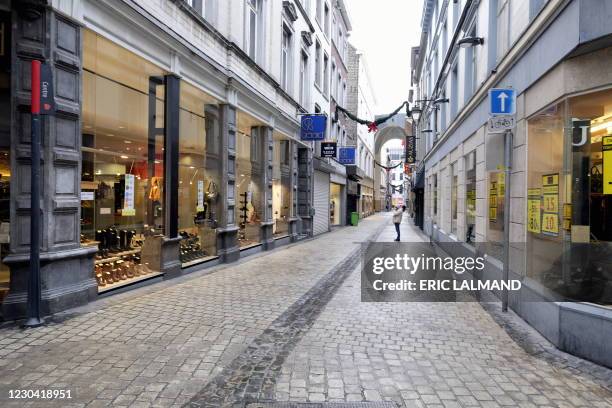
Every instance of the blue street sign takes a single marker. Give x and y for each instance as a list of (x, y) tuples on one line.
[(313, 127), (346, 155), (502, 101)]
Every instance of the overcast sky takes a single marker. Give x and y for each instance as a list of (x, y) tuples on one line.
[(385, 30)]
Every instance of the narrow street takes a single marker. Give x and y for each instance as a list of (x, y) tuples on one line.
[(289, 326)]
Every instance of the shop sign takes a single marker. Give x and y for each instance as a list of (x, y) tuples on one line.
[(606, 146), (313, 127), (346, 155), (200, 205), (329, 149), (47, 102), (534, 215), (128, 198), (410, 149), (87, 195), (550, 204)]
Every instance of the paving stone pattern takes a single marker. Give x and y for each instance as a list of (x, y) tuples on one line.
[(431, 355), (161, 347), (293, 319)]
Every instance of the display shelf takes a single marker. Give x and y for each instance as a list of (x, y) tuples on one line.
[(117, 256), (135, 279)]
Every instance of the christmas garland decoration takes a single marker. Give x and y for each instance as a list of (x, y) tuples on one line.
[(372, 125), (395, 189), (387, 167)]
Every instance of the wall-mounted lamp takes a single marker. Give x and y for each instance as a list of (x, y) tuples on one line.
[(415, 113), (440, 100), (427, 131), (470, 42)]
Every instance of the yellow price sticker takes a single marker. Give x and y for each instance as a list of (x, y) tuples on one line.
[(550, 224), (551, 203), (533, 216)]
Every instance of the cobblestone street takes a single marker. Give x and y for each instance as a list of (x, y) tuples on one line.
[(289, 326)]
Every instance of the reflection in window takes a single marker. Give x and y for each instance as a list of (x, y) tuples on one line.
[(249, 167), (281, 188), (454, 183), (470, 197), (199, 181), (569, 204), (122, 181)]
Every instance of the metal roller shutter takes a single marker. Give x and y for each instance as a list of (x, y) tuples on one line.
[(321, 202)]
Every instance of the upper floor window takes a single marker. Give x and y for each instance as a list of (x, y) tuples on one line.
[(318, 64), (303, 78), (326, 75), (326, 19), (252, 27), (319, 10), (286, 58), (503, 28)]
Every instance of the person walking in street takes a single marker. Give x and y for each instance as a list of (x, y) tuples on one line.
[(398, 213)]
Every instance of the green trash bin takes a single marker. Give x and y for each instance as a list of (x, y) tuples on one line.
[(354, 219)]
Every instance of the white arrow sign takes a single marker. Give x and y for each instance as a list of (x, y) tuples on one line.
[(502, 96)]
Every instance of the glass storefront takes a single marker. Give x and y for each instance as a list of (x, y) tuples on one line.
[(569, 203), (495, 230), (199, 177), (5, 147), (249, 189), (470, 198), (5, 215), (335, 204), (281, 186), (122, 199), (454, 198)]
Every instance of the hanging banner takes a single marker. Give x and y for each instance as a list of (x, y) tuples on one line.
[(128, 197), (410, 149), (313, 127), (329, 149), (346, 155), (550, 204), (534, 213), (200, 205)]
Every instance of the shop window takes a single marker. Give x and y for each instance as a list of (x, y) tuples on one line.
[(5, 148), (454, 184), (199, 181), (470, 198), (569, 204), (249, 189), (122, 199), (335, 204), (281, 188), (5, 214), (435, 198), (495, 229)]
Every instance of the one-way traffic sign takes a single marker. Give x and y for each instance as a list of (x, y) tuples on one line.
[(502, 101)]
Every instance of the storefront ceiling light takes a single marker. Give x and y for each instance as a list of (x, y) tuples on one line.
[(127, 141), (601, 126), (123, 156)]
